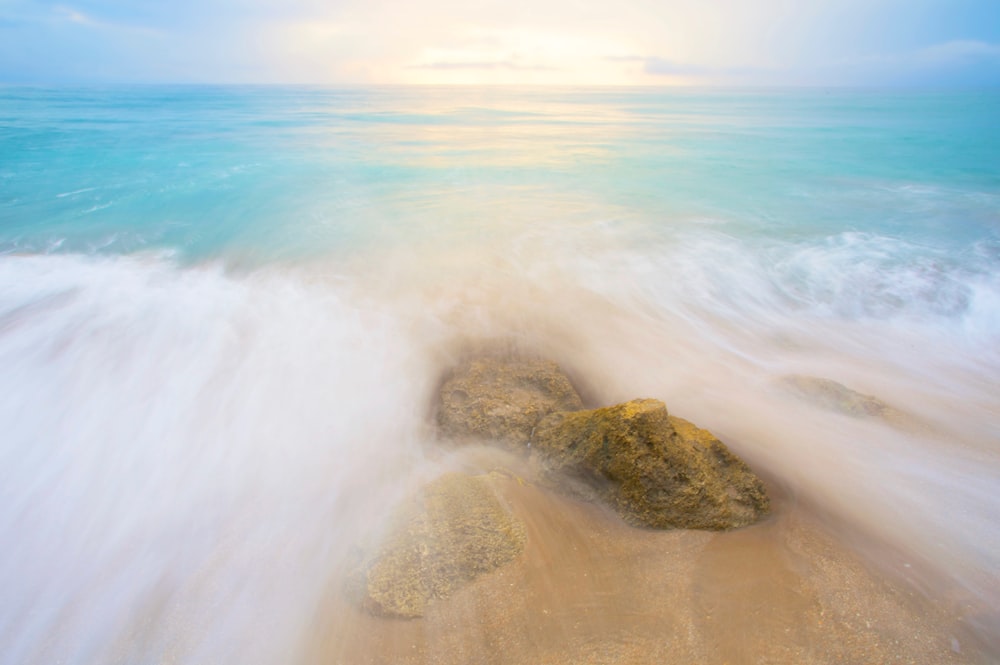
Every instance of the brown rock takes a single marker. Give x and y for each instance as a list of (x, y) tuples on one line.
[(654, 469), (453, 532), (501, 401)]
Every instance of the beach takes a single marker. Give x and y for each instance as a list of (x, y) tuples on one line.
[(592, 590)]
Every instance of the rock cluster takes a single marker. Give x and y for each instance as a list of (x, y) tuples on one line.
[(654, 469)]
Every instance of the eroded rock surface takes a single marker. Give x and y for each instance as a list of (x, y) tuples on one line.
[(656, 470), (501, 401), (455, 530)]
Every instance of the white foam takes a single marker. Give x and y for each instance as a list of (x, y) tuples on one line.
[(177, 455), (75, 192)]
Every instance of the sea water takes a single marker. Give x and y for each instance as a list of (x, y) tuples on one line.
[(224, 312)]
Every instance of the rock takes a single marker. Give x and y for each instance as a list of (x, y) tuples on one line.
[(654, 469), (838, 397), (501, 401), (454, 531)]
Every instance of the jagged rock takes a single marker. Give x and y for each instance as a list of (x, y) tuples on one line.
[(454, 531), (654, 469), (838, 397), (501, 400)]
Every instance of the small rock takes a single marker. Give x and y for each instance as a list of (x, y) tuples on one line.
[(654, 469), (454, 531), (837, 397), (501, 401)]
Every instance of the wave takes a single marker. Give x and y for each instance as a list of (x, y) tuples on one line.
[(180, 452)]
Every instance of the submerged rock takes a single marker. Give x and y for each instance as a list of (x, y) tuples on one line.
[(501, 401), (454, 531), (654, 469), (838, 397)]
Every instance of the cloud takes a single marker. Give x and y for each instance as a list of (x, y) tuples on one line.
[(67, 14), (950, 62), (954, 62), (485, 64), (955, 52), (510, 55), (655, 66), (958, 51), (660, 67), (73, 16)]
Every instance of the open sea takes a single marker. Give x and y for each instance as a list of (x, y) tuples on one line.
[(224, 313)]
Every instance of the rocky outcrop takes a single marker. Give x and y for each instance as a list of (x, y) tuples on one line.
[(501, 401), (654, 469), (454, 531)]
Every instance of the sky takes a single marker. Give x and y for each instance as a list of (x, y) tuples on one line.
[(546, 42)]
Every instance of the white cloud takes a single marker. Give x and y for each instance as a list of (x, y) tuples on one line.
[(958, 51), (73, 16), (945, 63), (471, 54), (67, 14)]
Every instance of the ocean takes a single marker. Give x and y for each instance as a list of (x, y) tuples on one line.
[(224, 313)]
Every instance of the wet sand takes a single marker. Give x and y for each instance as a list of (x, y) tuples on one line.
[(589, 589)]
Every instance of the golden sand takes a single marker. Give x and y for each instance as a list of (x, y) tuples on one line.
[(590, 589)]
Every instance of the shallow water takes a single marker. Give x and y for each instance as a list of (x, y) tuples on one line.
[(224, 314)]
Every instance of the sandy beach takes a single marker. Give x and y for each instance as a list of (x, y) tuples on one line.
[(591, 589)]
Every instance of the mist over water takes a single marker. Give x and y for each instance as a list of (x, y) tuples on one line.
[(224, 314)]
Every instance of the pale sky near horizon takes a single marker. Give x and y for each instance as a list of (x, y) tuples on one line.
[(548, 42)]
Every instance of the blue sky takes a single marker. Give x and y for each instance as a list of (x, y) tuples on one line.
[(634, 42)]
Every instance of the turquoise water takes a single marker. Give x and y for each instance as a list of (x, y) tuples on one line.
[(285, 172), (222, 307)]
